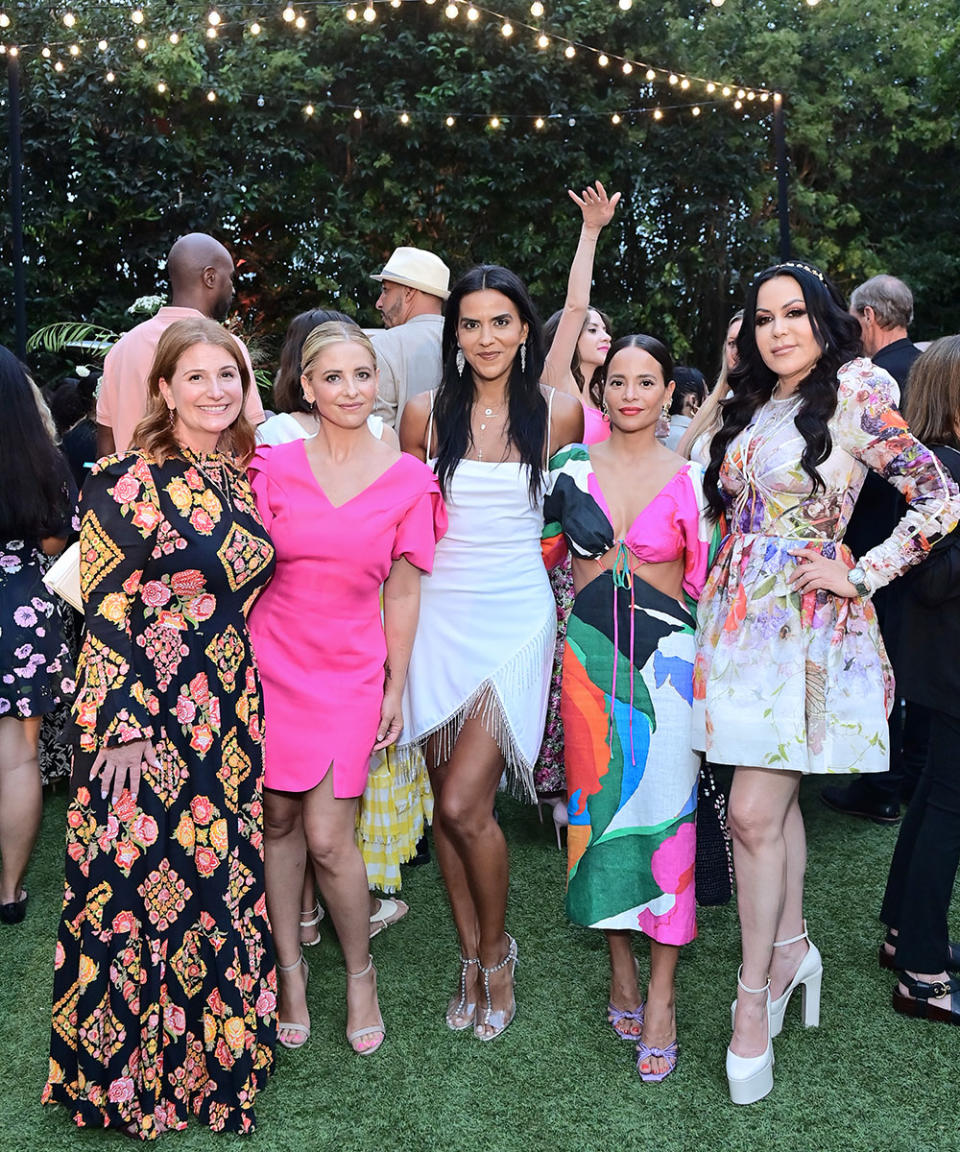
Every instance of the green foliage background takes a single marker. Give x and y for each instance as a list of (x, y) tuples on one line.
[(312, 205)]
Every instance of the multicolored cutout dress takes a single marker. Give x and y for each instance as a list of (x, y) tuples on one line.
[(164, 984), (627, 696), (803, 683)]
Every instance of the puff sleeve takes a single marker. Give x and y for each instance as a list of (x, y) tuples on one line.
[(258, 471), (871, 428), (423, 523)]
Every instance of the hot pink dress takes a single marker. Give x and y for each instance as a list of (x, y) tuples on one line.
[(316, 630)]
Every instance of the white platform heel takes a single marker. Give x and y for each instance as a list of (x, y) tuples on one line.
[(750, 1078), (810, 977)]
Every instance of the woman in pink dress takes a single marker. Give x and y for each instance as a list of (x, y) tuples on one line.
[(348, 514)]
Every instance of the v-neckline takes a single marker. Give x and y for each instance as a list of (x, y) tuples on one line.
[(605, 508), (356, 495)]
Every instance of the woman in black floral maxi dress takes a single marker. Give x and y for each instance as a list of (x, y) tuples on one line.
[(165, 987)]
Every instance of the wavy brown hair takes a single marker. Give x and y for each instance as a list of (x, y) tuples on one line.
[(932, 408), (155, 432)]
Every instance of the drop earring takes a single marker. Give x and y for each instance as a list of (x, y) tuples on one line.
[(461, 361), (523, 356), (173, 416)]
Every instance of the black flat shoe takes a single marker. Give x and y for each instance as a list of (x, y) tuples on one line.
[(887, 960), (15, 912), (850, 801), (921, 993)]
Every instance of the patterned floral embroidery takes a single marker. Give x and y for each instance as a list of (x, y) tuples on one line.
[(227, 651), (243, 556), (234, 769), (165, 895), (98, 554)]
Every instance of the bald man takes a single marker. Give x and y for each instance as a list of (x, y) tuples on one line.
[(201, 273)]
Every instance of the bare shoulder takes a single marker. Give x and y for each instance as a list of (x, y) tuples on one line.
[(413, 424), (567, 422)]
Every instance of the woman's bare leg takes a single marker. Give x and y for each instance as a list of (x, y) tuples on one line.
[(21, 801), (284, 852)]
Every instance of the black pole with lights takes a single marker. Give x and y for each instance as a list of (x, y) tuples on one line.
[(16, 203), (780, 150)]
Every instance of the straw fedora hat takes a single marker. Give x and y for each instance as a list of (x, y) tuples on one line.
[(415, 268)]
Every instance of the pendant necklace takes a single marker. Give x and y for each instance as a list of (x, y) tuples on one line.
[(487, 412)]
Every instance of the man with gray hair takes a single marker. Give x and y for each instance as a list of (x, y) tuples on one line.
[(884, 307)]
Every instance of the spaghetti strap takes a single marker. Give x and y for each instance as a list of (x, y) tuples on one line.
[(549, 420), (430, 422)]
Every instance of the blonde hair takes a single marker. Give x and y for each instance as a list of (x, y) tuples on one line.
[(46, 416), (155, 432), (932, 407), (328, 334)]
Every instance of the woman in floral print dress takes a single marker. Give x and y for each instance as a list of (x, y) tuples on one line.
[(165, 988), (791, 677)]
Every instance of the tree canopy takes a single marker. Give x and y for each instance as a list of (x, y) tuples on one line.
[(311, 198)]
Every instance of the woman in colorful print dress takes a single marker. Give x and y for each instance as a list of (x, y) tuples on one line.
[(36, 501), (791, 675), (349, 514), (633, 515), (164, 983), (577, 338)]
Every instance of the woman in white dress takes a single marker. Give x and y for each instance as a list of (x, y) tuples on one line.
[(479, 675)]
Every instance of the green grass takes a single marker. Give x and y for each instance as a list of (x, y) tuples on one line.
[(557, 1080)]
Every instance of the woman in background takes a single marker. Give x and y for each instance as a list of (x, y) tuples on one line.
[(37, 497), (695, 441), (924, 866)]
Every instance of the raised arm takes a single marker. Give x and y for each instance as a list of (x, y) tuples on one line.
[(598, 210)]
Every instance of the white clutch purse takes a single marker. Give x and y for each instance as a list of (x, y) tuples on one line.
[(63, 576)]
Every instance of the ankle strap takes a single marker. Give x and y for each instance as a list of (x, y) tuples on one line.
[(362, 972), (929, 990), (511, 955), (755, 991), (793, 939), (291, 967)]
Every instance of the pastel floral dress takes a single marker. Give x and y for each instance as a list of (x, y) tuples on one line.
[(164, 983), (802, 682)]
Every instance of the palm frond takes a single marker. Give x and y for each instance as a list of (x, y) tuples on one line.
[(90, 338)]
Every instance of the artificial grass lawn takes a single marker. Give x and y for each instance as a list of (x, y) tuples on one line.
[(557, 1079)]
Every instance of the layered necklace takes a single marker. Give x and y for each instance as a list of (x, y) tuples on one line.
[(487, 417)]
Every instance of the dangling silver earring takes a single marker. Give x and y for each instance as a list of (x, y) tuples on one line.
[(523, 356), (173, 416), (461, 361)]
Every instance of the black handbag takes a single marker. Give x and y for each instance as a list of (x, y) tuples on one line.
[(713, 876)]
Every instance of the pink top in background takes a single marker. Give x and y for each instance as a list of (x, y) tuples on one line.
[(596, 426)]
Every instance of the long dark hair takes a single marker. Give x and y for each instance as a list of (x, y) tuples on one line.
[(526, 407), (752, 382), (594, 388), (287, 393), (35, 484)]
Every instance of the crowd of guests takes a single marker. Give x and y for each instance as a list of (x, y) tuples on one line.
[(555, 567)]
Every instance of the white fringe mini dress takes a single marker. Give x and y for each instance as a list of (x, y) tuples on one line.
[(488, 621)]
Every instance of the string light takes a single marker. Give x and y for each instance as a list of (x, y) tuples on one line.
[(74, 49), (741, 94), (543, 41), (357, 114), (351, 13), (213, 18), (494, 121), (102, 45), (569, 51), (161, 87), (289, 15), (711, 88), (673, 78), (450, 121), (507, 29), (211, 33), (657, 114), (4, 20), (472, 13), (751, 95), (725, 90), (45, 53), (404, 118), (142, 44), (737, 104), (615, 118), (451, 11), (764, 97), (625, 5), (627, 67), (684, 83), (651, 75), (538, 123), (309, 110), (110, 77), (255, 29), (602, 60), (536, 9), (69, 19), (396, 3), (137, 16), (174, 38), (695, 110), (212, 96), (300, 23), (717, 3), (58, 67), (369, 14)]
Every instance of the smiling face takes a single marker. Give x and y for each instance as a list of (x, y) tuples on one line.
[(594, 342), (635, 390), (205, 390), (785, 337), (342, 381), (490, 332)]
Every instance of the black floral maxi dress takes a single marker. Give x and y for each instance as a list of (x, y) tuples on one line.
[(165, 986)]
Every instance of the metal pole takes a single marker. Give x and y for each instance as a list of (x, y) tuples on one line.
[(16, 202), (780, 149)]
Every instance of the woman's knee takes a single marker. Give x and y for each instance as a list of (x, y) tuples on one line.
[(280, 818), (751, 823)]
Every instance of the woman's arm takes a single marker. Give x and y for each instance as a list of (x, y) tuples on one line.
[(115, 707), (401, 608), (566, 425), (598, 211), (704, 417), (413, 426)]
